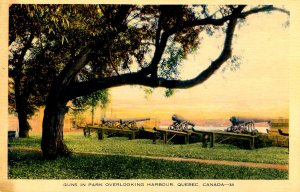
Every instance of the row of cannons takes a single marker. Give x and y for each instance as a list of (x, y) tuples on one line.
[(240, 128), (238, 125), (179, 124)]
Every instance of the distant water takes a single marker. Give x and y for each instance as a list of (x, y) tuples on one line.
[(201, 128)]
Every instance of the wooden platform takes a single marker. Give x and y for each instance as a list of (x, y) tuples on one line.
[(168, 135), (101, 130), (209, 136)]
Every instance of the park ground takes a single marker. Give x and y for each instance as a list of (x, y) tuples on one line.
[(120, 158)]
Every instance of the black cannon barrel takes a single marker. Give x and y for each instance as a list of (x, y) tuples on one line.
[(180, 119), (238, 120), (105, 120), (134, 120)]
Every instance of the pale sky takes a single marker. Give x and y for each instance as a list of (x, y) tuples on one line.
[(259, 88)]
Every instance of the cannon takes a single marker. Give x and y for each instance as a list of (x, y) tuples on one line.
[(107, 120), (244, 125), (180, 124), (133, 120), (131, 123), (116, 122), (122, 123)]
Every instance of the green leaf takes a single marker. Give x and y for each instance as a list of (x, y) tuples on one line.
[(169, 92)]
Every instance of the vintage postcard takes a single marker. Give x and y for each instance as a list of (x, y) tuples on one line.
[(149, 96)]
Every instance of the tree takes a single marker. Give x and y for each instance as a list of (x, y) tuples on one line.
[(36, 40), (100, 97), (18, 96), (105, 46), (27, 67)]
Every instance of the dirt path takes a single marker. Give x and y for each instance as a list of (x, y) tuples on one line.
[(191, 160), (220, 162)]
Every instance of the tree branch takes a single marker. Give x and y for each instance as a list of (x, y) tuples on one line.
[(139, 78), (111, 61), (266, 8), (221, 21), (136, 78), (67, 75), (161, 45)]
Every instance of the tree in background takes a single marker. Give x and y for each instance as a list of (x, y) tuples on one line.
[(30, 72), (104, 46), (100, 98), (37, 54)]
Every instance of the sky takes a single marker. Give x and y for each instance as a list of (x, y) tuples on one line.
[(258, 88)]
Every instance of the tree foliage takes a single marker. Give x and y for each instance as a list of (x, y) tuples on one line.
[(126, 41), (100, 98), (82, 103)]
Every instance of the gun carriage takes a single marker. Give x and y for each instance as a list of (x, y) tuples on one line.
[(122, 123), (111, 122), (180, 124), (244, 125), (132, 123), (116, 125)]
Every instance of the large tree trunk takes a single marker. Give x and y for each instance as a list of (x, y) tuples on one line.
[(52, 139), (24, 126), (54, 114), (20, 98)]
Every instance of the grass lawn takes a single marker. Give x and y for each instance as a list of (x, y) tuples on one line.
[(30, 165)]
